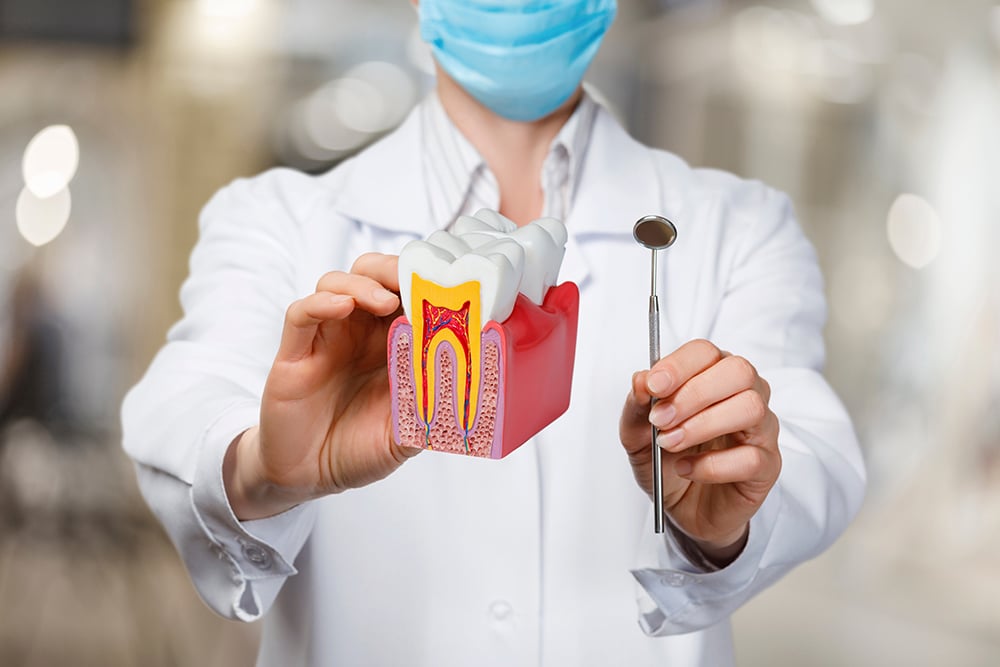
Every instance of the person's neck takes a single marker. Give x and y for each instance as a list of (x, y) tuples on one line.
[(514, 151)]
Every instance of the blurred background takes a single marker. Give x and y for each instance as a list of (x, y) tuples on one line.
[(878, 117)]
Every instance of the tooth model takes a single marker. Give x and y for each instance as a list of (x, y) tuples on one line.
[(482, 360)]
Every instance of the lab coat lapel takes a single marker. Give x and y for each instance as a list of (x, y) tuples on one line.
[(384, 185), (384, 189), (618, 184)]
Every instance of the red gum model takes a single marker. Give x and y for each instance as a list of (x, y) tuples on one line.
[(524, 388)]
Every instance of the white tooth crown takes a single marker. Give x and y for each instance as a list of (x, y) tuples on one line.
[(455, 245), (488, 248), (484, 220)]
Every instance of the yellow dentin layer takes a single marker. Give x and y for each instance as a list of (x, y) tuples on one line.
[(450, 314)]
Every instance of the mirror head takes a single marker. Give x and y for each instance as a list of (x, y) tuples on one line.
[(654, 232)]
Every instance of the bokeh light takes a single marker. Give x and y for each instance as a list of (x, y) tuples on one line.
[(317, 132), (767, 38), (50, 160), (861, 294), (915, 230), (396, 92), (995, 24), (418, 52), (837, 73), (349, 111), (914, 83), (356, 103), (41, 219), (227, 8), (845, 12)]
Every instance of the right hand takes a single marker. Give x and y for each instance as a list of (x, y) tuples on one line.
[(326, 417)]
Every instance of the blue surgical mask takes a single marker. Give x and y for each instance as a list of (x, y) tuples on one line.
[(520, 58)]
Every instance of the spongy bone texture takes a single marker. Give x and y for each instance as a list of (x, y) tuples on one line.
[(445, 432), (410, 430)]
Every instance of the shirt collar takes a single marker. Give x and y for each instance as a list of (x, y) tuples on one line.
[(616, 180), (459, 182), (574, 139), (452, 167)]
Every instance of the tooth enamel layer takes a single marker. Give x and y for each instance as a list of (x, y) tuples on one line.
[(491, 250), (496, 268), (543, 241)]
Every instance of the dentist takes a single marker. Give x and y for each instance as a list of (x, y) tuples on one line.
[(261, 432)]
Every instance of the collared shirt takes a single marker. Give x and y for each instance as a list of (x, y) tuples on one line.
[(459, 182)]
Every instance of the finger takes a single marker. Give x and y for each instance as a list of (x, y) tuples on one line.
[(400, 453), (730, 376), (764, 389), (384, 269), (633, 426), (640, 394), (726, 466), (681, 365), (304, 316), (743, 412), (369, 294)]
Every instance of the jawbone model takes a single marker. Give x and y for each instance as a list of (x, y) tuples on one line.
[(482, 360)]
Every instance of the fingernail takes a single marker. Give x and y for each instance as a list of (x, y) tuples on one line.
[(662, 415), (682, 468), (380, 294), (670, 439), (338, 299), (658, 382)]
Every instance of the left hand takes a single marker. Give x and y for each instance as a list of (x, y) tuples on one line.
[(719, 440)]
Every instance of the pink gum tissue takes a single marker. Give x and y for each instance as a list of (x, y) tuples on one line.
[(445, 432)]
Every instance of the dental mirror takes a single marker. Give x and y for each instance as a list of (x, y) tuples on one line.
[(656, 233)]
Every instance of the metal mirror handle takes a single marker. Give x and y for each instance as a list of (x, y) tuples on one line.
[(656, 233)]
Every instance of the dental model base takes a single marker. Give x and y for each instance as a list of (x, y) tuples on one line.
[(482, 360)]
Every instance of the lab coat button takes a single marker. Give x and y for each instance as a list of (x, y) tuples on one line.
[(501, 610), (257, 555), (674, 579)]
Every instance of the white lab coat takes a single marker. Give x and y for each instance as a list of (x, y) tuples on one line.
[(548, 556)]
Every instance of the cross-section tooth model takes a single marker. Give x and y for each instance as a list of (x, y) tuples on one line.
[(482, 360)]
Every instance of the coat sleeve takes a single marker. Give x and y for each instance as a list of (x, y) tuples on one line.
[(772, 312), (203, 389)]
